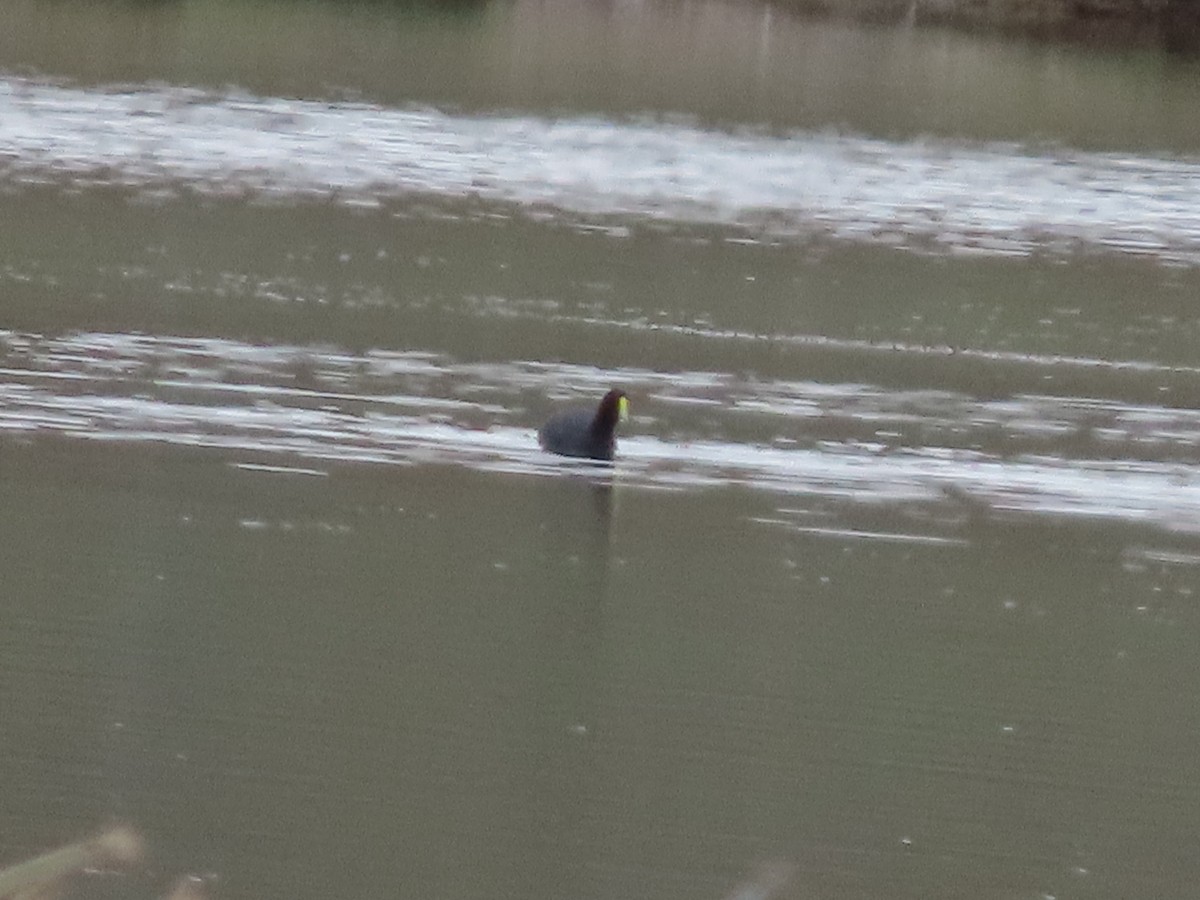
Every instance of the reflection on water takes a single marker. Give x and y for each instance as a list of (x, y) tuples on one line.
[(1048, 455), (927, 195), (728, 63)]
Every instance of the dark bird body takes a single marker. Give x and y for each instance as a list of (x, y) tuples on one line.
[(585, 432)]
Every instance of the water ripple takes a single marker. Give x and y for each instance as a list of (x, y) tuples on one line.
[(994, 199), (298, 408)]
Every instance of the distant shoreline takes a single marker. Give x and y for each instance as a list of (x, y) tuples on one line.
[(1172, 25)]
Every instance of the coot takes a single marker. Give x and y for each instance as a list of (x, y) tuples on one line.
[(584, 432)]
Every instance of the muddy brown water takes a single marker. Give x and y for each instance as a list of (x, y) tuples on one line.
[(892, 587)]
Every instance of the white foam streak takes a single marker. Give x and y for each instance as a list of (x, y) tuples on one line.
[(131, 395), (992, 199)]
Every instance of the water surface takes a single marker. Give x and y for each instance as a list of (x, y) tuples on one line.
[(890, 592)]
